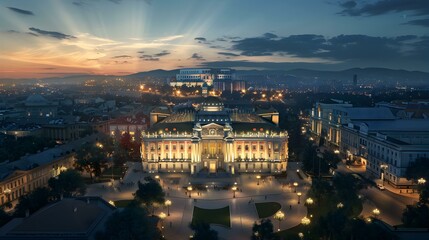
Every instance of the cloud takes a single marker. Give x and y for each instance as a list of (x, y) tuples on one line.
[(21, 11), (269, 65), (419, 22), (200, 39), (122, 56), (56, 35), (79, 3), (269, 35), (197, 56), (348, 4), (338, 48), (153, 57), (228, 54), (351, 8), (161, 54)]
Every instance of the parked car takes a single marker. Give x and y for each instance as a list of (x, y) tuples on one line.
[(381, 187)]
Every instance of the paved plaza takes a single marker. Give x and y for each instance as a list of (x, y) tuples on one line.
[(242, 207)]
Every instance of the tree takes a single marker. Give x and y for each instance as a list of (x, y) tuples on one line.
[(67, 183), (32, 202), (419, 169), (263, 230), (91, 159), (4, 217), (150, 192), (130, 223), (416, 216), (202, 231), (120, 156)]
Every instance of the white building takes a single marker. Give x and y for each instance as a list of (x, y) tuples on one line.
[(213, 138), (196, 77), (386, 147)]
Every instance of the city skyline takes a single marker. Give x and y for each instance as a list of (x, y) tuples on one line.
[(120, 37)]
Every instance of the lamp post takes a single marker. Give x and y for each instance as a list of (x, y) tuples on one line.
[(295, 184), (301, 235), (376, 212), (189, 190), (299, 197), (258, 177), (162, 216), (234, 188), (421, 181), (309, 201), (279, 216), (168, 204), (112, 203), (340, 205), (383, 167)]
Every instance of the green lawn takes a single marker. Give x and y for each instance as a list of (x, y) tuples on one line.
[(267, 209), (212, 216), (122, 203)]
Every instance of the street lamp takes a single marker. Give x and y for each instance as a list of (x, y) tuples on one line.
[(189, 190), (258, 177), (301, 235), (168, 204), (234, 188), (383, 167), (112, 203), (340, 205), (376, 212), (309, 201), (305, 221), (299, 197), (162, 216), (7, 191), (421, 181), (295, 184), (279, 216)]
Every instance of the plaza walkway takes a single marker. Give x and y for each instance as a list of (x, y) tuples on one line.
[(242, 208)]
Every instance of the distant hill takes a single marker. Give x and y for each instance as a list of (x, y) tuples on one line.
[(364, 75)]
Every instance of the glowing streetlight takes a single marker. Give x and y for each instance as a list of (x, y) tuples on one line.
[(299, 197), (234, 188), (376, 212), (295, 184), (162, 216), (301, 235), (258, 177), (168, 204), (309, 201), (421, 181), (305, 221), (279, 216), (111, 202), (189, 190), (340, 205), (337, 151)]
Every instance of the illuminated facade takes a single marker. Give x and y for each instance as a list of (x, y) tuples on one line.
[(213, 138), (196, 77)]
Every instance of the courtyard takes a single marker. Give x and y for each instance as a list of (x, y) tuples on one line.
[(231, 213)]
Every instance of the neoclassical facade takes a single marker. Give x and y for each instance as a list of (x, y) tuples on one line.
[(212, 138)]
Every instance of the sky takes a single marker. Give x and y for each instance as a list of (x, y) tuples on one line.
[(48, 38)]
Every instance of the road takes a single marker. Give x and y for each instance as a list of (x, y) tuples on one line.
[(390, 204)]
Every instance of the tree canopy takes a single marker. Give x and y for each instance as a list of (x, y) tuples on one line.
[(32, 202), (130, 223), (68, 183), (202, 231), (91, 159), (150, 192)]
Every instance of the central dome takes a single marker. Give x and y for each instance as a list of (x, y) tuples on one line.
[(212, 104)]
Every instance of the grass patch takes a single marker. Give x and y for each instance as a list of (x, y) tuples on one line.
[(106, 175), (122, 203), (267, 209), (218, 216)]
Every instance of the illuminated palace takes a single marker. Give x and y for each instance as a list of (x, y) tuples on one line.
[(212, 138)]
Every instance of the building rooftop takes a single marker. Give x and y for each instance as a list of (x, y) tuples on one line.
[(380, 113), (65, 219)]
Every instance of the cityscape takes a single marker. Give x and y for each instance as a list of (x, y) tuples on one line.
[(207, 120)]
